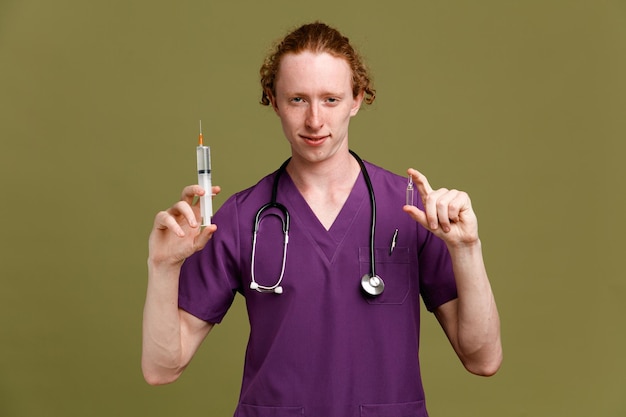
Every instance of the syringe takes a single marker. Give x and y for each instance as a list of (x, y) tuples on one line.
[(204, 180)]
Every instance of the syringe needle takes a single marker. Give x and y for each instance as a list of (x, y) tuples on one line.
[(200, 139)]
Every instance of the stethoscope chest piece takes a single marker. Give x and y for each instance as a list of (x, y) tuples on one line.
[(372, 284)]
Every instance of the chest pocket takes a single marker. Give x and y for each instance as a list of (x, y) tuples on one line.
[(395, 271)]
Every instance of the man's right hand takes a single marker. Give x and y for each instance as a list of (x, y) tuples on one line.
[(176, 233)]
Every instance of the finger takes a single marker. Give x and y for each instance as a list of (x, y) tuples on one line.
[(447, 210), (425, 190), (191, 191), (184, 210), (205, 235), (434, 207), (420, 181), (457, 204), (164, 221), (215, 190), (417, 215), (462, 209)]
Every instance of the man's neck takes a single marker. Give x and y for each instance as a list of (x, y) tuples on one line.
[(326, 185)]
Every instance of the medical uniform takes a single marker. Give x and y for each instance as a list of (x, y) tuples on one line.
[(322, 348)]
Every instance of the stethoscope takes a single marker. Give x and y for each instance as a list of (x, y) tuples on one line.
[(371, 283)]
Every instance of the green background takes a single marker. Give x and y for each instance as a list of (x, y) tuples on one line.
[(520, 103)]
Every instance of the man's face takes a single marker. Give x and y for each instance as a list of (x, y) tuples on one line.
[(314, 102)]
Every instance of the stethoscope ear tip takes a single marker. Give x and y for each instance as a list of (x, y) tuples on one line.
[(276, 290)]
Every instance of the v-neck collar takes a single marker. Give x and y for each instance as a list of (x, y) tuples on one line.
[(327, 241)]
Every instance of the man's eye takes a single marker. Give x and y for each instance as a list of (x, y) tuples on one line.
[(332, 100), (297, 100)]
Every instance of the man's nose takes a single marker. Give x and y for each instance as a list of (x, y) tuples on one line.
[(314, 119)]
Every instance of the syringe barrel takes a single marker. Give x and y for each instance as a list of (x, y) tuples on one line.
[(204, 159), (204, 180)]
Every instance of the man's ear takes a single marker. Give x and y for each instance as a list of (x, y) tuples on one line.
[(272, 100), (358, 100)]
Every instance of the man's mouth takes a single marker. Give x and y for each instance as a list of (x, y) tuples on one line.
[(315, 138)]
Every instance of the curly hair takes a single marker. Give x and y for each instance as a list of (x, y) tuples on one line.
[(316, 37)]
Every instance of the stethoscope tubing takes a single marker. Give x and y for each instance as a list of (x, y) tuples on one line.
[(371, 284), (370, 190), (285, 223)]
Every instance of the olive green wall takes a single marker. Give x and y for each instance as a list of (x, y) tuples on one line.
[(520, 103)]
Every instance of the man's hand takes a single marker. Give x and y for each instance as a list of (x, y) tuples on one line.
[(176, 233), (447, 213)]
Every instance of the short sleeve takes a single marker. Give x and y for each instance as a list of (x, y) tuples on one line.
[(437, 283), (210, 278)]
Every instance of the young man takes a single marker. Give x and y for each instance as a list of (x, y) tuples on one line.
[(327, 337)]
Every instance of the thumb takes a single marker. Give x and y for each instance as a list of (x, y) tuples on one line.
[(417, 215), (203, 238)]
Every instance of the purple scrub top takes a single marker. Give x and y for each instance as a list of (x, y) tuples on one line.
[(322, 348)]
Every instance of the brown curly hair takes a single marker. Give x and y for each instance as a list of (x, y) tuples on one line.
[(316, 37)]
